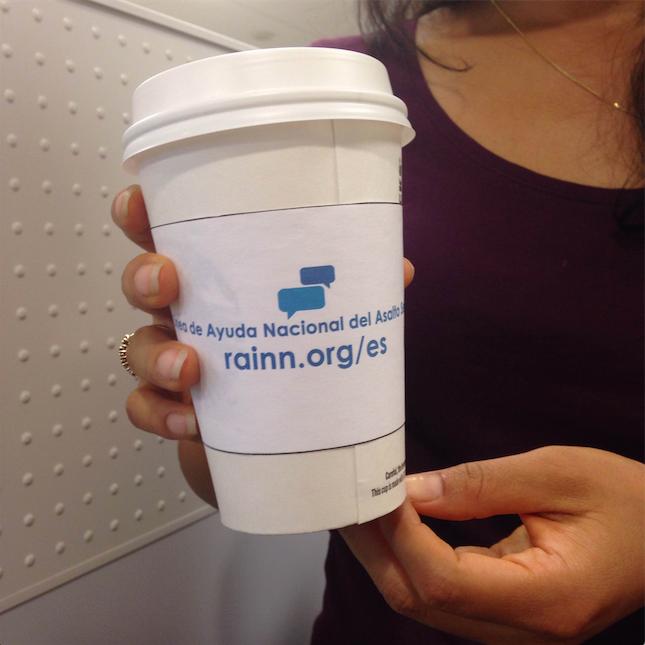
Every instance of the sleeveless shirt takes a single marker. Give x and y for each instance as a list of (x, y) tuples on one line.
[(524, 328)]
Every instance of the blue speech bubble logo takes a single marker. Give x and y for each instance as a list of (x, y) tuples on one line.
[(300, 299), (318, 275)]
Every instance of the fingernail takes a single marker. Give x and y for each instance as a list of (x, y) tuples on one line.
[(146, 279), (182, 425), (170, 362), (121, 206), (424, 487)]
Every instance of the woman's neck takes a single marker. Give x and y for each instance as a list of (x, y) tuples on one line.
[(519, 107), (595, 18)]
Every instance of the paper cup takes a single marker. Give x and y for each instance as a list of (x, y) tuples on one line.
[(272, 180)]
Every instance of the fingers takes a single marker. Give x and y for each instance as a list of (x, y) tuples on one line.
[(518, 541), (466, 584), (413, 543), (130, 215), (150, 410), (538, 582), (150, 283), (556, 479), (156, 357), (482, 550), (371, 548)]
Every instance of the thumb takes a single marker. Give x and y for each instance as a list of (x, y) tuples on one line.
[(554, 479), (408, 272)]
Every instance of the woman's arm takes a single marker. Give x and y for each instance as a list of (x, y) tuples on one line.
[(573, 568)]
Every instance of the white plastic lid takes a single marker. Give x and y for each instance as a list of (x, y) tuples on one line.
[(260, 87)]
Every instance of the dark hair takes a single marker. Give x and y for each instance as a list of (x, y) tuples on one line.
[(383, 22)]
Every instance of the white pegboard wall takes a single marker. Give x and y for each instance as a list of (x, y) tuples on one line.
[(79, 486)]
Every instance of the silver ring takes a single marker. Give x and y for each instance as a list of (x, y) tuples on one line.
[(123, 352)]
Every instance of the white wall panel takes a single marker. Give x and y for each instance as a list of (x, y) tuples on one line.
[(203, 585), (79, 486)]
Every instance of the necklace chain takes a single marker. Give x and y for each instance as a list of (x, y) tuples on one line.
[(555, 65)]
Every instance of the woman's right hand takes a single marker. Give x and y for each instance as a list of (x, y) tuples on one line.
[(161, 403)]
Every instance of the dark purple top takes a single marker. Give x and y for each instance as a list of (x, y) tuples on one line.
[(524, 328)]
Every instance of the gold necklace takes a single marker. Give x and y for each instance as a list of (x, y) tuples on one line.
[(555, 65)]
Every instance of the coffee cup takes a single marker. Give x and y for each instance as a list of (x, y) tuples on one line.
[(272, 181)]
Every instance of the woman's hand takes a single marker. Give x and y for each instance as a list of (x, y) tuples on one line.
[(574, 567), (161, 403)]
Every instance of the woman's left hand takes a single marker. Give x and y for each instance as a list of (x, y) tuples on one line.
[(574, 566)]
